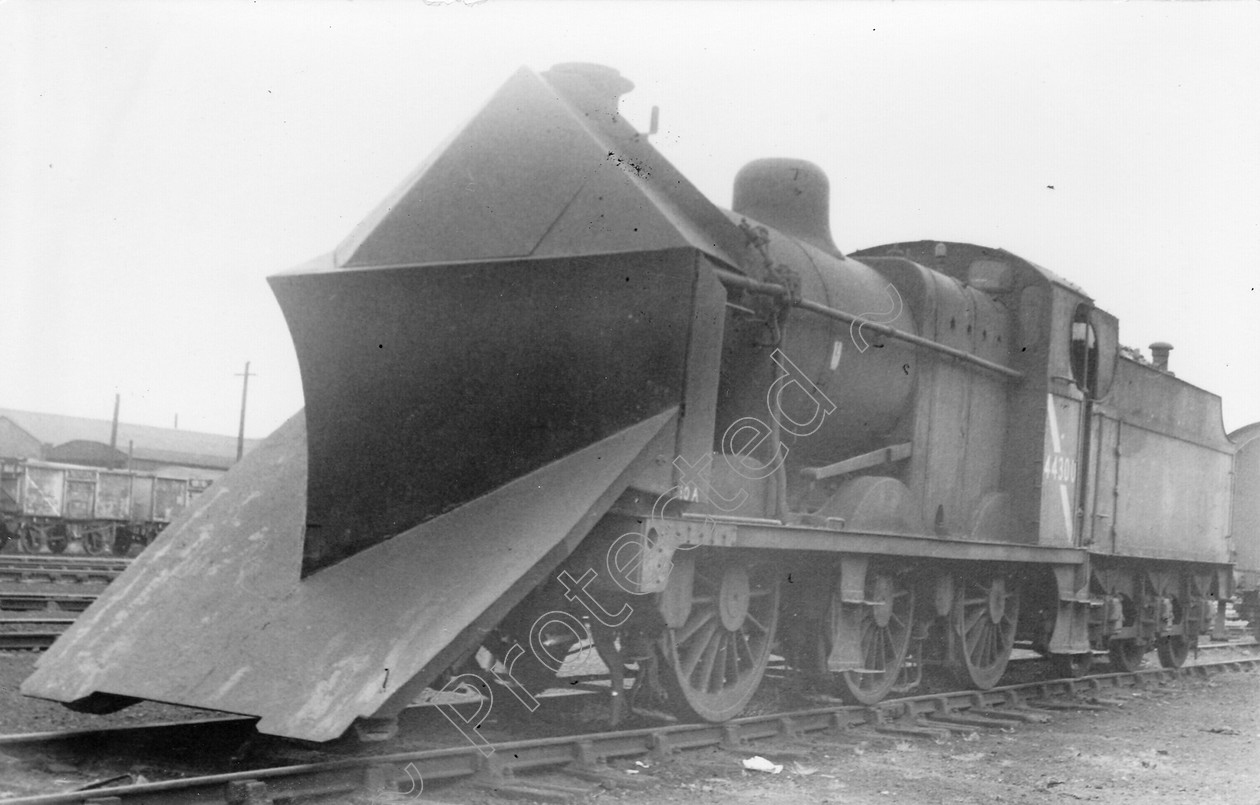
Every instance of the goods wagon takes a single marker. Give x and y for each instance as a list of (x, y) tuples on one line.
[(47, 504)]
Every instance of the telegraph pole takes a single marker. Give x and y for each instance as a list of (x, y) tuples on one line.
[(113, 431), (240, 438)]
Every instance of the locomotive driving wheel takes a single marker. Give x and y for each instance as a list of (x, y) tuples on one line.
[(881, 626), (721, 614), (982, 626)]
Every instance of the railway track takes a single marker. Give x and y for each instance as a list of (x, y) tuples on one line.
[(28, 641), (54, 583), (45, 600), (60, 569), (31, 634), (571, 767)]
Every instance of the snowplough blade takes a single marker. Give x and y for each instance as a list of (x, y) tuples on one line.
[(216, 615), (530, 325)]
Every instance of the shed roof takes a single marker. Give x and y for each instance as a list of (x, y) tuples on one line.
[(149, 443)]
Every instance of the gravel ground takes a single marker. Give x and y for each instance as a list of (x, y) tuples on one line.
[(1195, 741), (19, 713)]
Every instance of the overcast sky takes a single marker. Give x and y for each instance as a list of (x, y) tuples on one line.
[(159, 160)]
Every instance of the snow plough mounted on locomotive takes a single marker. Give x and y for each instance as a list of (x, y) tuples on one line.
[(551, 389)]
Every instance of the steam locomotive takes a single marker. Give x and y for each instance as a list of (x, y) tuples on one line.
[(554, 395)]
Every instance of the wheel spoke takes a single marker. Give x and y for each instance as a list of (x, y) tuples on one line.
[(746, 649), (867, 649), (715, 664), (697, 648), (698, 618), (975, 633), (761, 627), (706, 659), (971, 620), (731, 655), (886, 650), (708, 582)]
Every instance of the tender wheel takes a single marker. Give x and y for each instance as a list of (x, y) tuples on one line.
[(1127, 655), (881, 627), (1173, 651), (729, 610), (982, 624)]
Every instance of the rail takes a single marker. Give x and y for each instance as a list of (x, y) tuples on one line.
[(584, 756), (55, 600), (55, 569)]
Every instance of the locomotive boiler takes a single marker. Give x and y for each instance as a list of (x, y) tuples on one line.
[(554, 394)]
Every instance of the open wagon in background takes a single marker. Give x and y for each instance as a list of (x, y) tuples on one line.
[(49, 505)]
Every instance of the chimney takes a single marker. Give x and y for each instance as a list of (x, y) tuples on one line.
[(1159, 355)]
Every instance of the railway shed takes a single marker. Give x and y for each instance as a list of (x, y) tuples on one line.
[(86, 441)]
